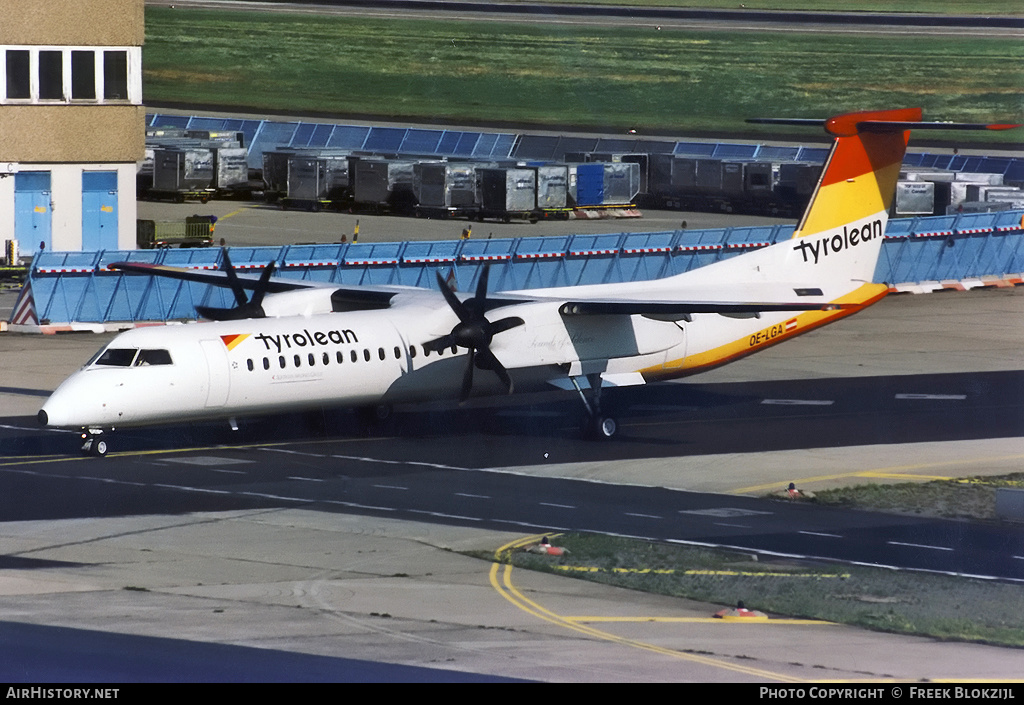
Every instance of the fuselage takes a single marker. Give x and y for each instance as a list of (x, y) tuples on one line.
[(228, 369)]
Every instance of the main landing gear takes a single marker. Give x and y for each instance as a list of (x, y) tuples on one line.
[(95, 444), (596, 424)]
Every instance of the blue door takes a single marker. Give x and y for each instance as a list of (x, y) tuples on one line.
[(99, 210), (32, 210)]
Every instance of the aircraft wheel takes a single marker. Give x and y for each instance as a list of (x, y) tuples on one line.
[(95, 446), (601, 427), (606, 427)]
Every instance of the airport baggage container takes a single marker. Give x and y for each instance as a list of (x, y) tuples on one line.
[(641, 159), (552, 187), (507, 193), (382, 183), (180, 174), (444, 188), (758, 179), (797, 180), (621, 183), (182, 169), (316, 180), (914, 198), (231, 169), (586, 184), (672, 176), (987, 192), (307, 178)]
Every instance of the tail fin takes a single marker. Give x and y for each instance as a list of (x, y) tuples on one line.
[(840, 233)]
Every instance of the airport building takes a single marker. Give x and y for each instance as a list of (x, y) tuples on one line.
[(71, 123)]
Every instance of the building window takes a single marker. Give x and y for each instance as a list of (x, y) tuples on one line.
[(115, 75), (83, 75), (18, 84), (51, 75), (71, 74)]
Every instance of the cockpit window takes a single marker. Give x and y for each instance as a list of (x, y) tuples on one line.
[(153, 357), (117, 357)]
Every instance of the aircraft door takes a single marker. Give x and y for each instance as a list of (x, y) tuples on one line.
[(218, 372)]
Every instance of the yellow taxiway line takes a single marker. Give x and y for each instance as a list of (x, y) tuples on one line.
[(501, 581)]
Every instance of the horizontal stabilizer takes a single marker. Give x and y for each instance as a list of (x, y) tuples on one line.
[(879, 123)]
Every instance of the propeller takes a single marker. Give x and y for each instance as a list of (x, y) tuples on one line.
[(474, 332), (248, 307)]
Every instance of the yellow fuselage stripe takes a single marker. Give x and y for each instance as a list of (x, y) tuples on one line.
[(808, 320)]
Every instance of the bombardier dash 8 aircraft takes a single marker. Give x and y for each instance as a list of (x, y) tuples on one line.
[(296, 345)]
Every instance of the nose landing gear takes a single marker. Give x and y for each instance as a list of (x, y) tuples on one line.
[(95, 444)]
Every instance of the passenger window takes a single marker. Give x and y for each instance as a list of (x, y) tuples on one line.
[(366, 354), (249, 364), (398, 353), (117, 357), (266, 363), (281, 361), (412, 351), (312, 359), (298, 361), (327, 359), (380, 353), (355, 358), (341, 358)]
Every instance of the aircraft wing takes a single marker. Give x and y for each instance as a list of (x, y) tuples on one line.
[(680, 309)]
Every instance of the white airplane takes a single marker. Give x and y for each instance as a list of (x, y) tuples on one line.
[(296, 345)]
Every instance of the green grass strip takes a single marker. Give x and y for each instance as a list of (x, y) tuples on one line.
[(602, 78)]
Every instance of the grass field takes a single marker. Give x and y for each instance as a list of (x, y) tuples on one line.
[(939, 606), (615, 78), (934, 7)]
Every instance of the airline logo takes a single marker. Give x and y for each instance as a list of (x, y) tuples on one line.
[(815, 249), (232, 341)]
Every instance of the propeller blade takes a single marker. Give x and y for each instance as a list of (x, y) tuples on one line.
[(467, 377), (261, 286), (487, 361), (453, 301), (505, 324), (439, 344), (479, 301), (212, 313), (229, 269)]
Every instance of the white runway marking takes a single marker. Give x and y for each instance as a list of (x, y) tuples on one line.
[(305, 479), (799, 402), (818, 533), (954, 397), (391, 487), (919, 545), (472, 496), (643, 516), (556, 506)]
